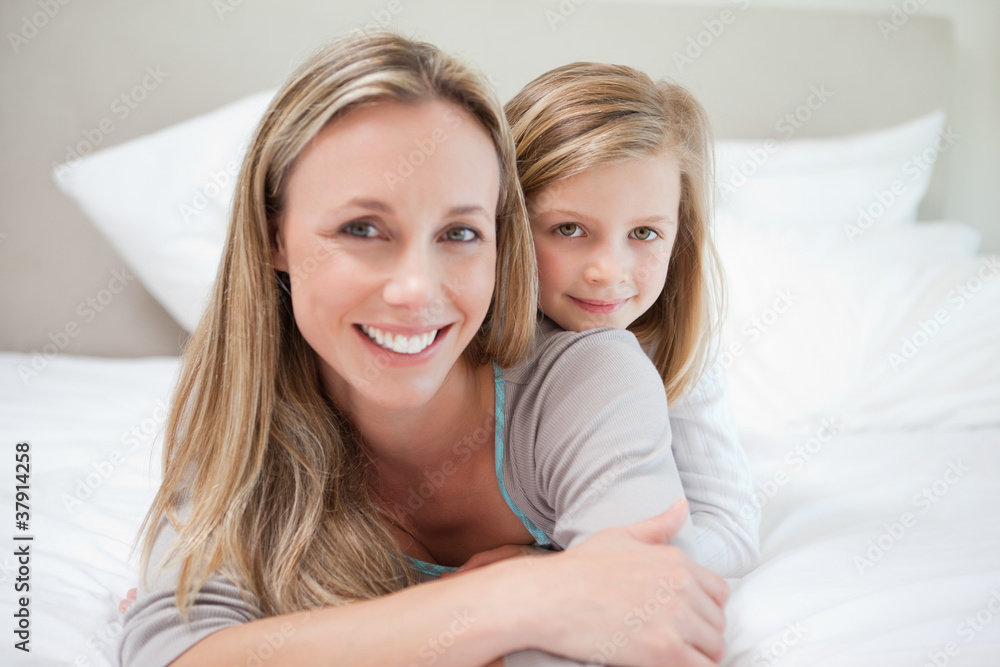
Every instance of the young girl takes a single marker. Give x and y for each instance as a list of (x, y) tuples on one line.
[(365, 405), (616, 170)]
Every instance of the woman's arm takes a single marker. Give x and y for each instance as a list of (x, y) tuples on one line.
[(565, 604)]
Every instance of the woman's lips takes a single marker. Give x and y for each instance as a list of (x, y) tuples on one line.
[(597, 307)]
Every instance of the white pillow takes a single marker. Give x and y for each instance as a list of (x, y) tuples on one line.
[(836, 190), (163, 200), (813, 335)]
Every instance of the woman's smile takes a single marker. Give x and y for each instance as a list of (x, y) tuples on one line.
[(405, 346)]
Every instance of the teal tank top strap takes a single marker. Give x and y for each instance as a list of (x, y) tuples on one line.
[(429, 568), (541, 539)]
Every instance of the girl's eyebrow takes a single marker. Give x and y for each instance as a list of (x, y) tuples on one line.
[(583, 217)]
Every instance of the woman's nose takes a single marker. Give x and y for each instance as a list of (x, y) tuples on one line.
[(413, 280)]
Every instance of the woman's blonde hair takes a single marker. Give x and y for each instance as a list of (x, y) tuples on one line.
[(277, 480), (585, 115)]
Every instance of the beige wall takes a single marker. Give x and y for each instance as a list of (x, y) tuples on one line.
[(63, 81), (974, 197)]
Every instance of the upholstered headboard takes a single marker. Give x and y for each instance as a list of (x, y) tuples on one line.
[(77, 76)]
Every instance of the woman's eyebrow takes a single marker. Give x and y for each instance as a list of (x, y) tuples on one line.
[(467, 209), (382, 207), (370, 204)]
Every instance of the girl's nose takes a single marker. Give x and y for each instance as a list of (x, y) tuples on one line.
[(606, 267)]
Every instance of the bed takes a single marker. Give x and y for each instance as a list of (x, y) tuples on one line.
[(862, 346)]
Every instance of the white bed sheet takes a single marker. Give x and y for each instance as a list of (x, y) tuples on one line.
[(77, 412)]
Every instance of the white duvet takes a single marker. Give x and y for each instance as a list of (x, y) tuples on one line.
[(842, 581)]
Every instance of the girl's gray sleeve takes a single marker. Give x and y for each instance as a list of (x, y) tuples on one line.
[(602, 450)]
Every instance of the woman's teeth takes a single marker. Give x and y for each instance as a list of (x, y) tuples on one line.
[(400, 343)]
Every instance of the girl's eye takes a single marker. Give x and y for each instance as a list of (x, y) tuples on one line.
[(643, 234), (361, 229), (569, 229), (461, 234)]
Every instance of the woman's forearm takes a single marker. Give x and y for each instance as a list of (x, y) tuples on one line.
[(469, 620)]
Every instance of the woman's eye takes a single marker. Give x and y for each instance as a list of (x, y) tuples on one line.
[(569, 229), (361, 229), (643, 234), (461, 234)]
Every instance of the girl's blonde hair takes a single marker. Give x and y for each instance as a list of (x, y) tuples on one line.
[(277, 480), (585, 115)]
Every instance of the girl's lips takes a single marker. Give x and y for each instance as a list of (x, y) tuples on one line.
[(599, 307), (393, 358)]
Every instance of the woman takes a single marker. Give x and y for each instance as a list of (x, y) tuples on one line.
[(363, 407)]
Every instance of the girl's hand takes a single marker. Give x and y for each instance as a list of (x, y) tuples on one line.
[(626, 597), (127, 602), (484, 558)]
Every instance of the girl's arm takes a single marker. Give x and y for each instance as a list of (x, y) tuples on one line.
[(565, 604), (716, 476), (595, 409)]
